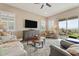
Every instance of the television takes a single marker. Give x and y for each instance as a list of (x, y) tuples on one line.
[(30, 24)]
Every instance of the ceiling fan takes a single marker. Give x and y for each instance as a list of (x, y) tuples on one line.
[(44, 4)]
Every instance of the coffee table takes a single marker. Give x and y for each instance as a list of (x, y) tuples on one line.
[(39, 43)]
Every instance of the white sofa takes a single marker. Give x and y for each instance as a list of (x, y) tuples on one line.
[(14, 48), (11, 47)]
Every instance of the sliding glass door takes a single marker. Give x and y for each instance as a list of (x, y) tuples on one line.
[(42, 25), (69, 28), (62, 28), (72, 28), (50, 25)]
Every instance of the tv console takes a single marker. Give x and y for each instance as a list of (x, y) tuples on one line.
[(29, 34)]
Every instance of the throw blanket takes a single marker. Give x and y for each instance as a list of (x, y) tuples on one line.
[(73, 40)]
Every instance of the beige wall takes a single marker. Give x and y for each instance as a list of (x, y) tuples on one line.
[(20, 15)]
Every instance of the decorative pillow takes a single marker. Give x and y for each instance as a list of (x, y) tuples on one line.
[(74, 50), (3, 33), (0, 33)]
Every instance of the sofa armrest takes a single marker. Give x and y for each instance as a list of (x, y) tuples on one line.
[(57, 51)]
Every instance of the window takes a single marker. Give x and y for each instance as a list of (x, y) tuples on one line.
[(11, 26), (42, 25), (9, 19), (50, 25), (62, 24), (73, 25), (69, 28), (72, 30), (62, 27)]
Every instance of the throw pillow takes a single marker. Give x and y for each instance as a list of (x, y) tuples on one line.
[(74, 50)]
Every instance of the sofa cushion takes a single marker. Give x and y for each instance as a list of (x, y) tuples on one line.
[(65, 44)]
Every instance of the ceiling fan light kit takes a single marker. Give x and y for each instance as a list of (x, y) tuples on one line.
[(44, 4)]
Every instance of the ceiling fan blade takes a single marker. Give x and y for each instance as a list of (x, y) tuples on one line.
[(48, 4), (42, 6)]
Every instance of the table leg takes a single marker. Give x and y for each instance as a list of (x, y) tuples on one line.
[(42, 44)]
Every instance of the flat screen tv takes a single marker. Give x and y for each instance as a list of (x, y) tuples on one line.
[(30, 24)]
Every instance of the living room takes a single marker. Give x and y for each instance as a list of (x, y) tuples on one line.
[(39, 29)]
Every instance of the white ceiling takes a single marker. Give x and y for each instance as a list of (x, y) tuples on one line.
[(46, 11)]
